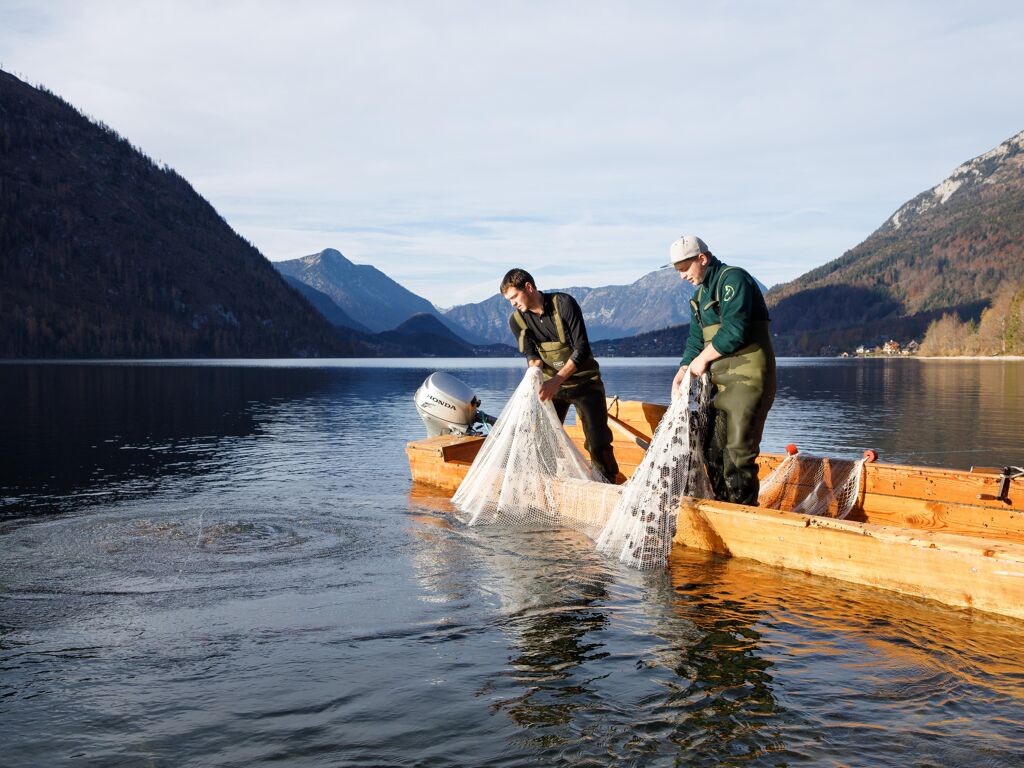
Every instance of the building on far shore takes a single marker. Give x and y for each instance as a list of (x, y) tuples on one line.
[(890, 347)]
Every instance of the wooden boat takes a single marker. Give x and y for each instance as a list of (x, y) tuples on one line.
[(948, 535)]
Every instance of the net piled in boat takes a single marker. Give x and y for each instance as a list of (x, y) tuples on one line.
[(643, 523), (529, 473), (813, 485)]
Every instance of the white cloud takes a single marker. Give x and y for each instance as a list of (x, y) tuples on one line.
[(445, 141)]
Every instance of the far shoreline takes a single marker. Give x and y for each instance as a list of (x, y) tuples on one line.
[(943, 357)]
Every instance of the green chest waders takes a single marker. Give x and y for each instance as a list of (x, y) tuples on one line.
[(744, 391)]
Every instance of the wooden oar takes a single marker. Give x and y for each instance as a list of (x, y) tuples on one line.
[(637, 437)]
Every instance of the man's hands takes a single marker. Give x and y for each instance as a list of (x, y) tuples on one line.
[(677, 382), (698, 367), (550, 387)]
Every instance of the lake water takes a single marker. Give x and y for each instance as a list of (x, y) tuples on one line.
[(226, 564)]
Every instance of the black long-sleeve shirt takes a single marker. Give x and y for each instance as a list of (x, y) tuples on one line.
[(542, 328)]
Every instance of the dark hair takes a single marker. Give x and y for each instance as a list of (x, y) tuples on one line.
[(516, 278)]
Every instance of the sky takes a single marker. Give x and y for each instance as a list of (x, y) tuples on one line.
[(446, 142)]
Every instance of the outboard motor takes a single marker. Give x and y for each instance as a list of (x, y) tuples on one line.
[(449, 407)]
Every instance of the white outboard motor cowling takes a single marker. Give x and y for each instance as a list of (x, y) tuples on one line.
[(447, 406)]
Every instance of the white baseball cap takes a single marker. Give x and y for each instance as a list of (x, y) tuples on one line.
[(685, 248)]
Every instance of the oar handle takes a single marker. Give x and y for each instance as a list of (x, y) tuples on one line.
[(628, 432)]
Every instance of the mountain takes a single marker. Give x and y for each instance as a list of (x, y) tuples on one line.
[(948, 250), (664, 342), (363, 292), (105, 254), (424, 335), (428, 336), (325, 305), (657, 300), (424, 322), (487, 319)]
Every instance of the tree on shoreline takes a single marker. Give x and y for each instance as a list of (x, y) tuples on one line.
[(1000, 330)]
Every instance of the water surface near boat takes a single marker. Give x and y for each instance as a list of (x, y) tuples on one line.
[(226, 564)]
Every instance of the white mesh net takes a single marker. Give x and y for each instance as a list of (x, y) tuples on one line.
[(813, 485), (643, 524), (530, 474)]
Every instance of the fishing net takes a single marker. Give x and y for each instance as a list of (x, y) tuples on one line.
[(813, 485), (640, 530), (528, 472)]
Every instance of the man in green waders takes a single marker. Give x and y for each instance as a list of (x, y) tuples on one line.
[(550, 331), (729, 339)]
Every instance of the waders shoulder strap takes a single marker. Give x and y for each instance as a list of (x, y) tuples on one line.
[(558, 320), (518, 317), (718, 284)]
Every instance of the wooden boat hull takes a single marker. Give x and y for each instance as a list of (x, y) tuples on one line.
[(919, 531)]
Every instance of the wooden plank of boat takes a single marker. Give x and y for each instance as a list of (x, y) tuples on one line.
[(964, 571), (442, 461), (935, 533)]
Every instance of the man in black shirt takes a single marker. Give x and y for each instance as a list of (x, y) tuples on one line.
[(550, 331)]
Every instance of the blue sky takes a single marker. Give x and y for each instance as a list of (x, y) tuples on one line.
[(444, 142)]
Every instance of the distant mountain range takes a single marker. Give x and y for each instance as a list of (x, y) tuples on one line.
[(359, 290), (657, 300), (105, 254), (949, 250)]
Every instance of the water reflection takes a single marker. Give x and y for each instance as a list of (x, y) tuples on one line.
[(556, 641), (723, 704), (837, 653), (72, 428), (602, 659), (719, 661), (80, 435), (928, 412)]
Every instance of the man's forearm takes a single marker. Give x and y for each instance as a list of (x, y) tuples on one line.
[(567, 370), (708, 355)]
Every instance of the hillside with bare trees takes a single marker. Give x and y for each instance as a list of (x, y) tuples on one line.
[(999, 331), (949, 251)]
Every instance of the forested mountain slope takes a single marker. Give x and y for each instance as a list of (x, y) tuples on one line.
[(105, 254)]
